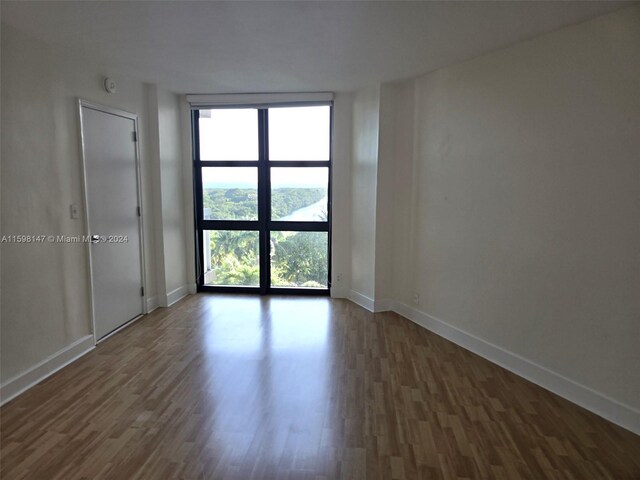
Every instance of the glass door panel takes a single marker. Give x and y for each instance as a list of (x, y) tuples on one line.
[(300, 133), (299, 194), (299, 259), (228, 134), (230, 193), (231, 258)]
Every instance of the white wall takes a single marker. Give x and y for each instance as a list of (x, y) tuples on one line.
[(172, 190), (384, 193), (167, 158), (152, 210), (525, 225), (404, 187), (364, 165), (381, 187), (341, 196), (45, 297), (394, 182)]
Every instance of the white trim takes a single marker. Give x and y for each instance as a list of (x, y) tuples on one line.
[(362, 300), (255, 100), (374, 306), (170, 298), (596, 402), (24, 381), (85, 198), (174, 295), (143, 258), (152, 304), (383, 305)]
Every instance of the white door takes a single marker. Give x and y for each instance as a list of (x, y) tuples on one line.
[(111, 176)]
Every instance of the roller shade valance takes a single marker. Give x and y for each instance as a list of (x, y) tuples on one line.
[(258, 100)]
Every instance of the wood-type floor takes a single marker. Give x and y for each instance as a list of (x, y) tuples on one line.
[(243, 387)]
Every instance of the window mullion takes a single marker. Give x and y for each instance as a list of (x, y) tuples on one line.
[(263, 198)]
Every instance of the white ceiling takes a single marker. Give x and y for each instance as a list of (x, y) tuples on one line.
[(217, 47)]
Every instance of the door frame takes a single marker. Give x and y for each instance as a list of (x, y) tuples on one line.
[(87, 221)]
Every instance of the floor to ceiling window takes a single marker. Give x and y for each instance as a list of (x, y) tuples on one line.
[(263, 197)]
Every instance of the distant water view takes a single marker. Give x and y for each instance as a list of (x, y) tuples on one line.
[(238, 202), (316, 211)]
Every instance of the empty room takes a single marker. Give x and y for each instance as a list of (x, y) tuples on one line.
[(359, 240)]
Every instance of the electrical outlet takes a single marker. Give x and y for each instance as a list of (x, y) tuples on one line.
[(416, 298), (338, 277)]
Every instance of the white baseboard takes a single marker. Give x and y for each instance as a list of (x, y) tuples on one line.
[(174, 295), (152, 304), (374, 306), (170, 298), (382, 305), (596, 402), (24, 381), (362, 300)]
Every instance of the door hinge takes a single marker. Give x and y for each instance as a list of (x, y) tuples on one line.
[(135, 136), (142, 291), (138, 211)]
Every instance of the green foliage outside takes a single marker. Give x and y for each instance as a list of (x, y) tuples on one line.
[(231, 204), (242, 203), (234, 257), (298, 259)]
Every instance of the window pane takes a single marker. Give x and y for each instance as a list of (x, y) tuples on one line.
[(229, 134), (299, 259), (299, 194), (230, 193), (231, 258), (299, 133)]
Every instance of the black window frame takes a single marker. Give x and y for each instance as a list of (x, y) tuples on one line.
[(264, 225)]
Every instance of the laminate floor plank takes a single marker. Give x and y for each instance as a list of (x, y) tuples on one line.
[(287, 388)]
